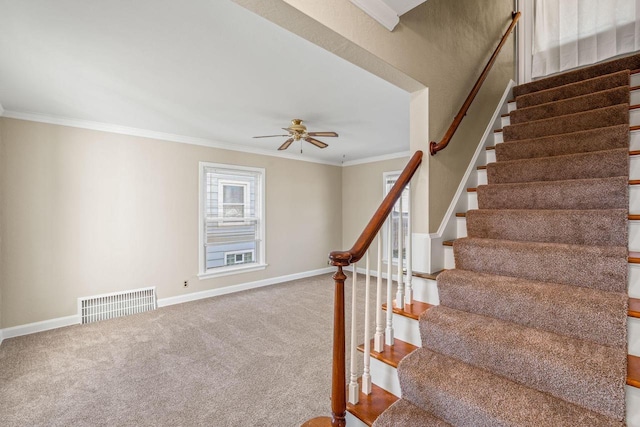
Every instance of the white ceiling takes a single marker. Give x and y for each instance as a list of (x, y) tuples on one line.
[(206, 71)]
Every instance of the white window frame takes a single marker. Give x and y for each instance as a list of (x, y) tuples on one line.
[(260, 202), (236, 253), (385, 232)]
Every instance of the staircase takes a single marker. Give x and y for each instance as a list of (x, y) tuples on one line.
[(531, 329)]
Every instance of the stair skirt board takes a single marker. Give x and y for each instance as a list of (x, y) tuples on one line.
[(456, 228)]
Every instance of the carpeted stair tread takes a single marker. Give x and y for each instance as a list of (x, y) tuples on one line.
[(596, 164), (592, 193), (404, 413), (578, 371), (596, 267), (591, 101), (571, 89), (576, 227), (631, 62), (598, 139), (464, 395), (577, 312), (601, 117)]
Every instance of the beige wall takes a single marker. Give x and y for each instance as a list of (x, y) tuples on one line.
[(88, 212), (1, 216), (442, 44), (362, 193)]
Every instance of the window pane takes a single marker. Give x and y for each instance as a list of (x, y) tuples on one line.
[(233, 194), (233, 211)]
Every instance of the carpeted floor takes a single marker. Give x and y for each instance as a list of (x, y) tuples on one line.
[(256, 358)]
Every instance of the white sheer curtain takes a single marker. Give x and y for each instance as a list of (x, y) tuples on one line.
[(572, 33)]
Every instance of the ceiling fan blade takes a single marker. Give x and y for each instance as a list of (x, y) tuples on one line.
[(286, 144), (317, 143), (332, 134), (269, 136)]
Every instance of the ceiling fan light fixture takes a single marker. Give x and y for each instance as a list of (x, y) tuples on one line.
[(298, 132)]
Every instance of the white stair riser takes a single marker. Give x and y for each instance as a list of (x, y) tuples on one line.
[(634, 235), (634, 80), (482, 177), (497, 138), (353, 421), (491, 156), (634, 280), (505, 121), (406, 329), (449, 261), (633, 335), (472, 200), (425, 290), (634, 167), (634, 140), (385, 376), (461, 227), (633, 406)]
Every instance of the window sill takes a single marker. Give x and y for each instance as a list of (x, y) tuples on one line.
[(226, 271)]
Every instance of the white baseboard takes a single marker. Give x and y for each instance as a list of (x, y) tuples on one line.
[(163, 302), (45, 325)]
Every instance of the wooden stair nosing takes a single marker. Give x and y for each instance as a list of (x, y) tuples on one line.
[(391, 354), (414, 310), (369, 407), (633, 371), (634, 307)]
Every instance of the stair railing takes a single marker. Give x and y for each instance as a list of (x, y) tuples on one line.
[(383, 330), (434, 147)]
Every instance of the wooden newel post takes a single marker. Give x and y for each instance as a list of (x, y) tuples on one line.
[(339, 375)]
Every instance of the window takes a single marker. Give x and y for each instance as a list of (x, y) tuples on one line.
[(232, 258), (397, 217), (231, 219)]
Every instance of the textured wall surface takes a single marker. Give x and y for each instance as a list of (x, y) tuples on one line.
[(362, 193), (88, 212)]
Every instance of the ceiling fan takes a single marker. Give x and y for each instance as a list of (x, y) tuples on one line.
[(298, 131)]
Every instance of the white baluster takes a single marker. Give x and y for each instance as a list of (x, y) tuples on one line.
[(354, 390), (400, 294), (388, 334), (408, 290), (378, 340), (366, 375)]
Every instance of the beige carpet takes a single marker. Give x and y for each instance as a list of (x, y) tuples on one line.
[(256, 358)]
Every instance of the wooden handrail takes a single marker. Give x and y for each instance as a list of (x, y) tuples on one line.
[(435, 147), (357, 251), (344, 258)]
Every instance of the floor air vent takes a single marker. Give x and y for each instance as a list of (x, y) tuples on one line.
[(117, 304)]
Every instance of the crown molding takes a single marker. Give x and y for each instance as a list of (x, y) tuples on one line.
[(144, 133), (377, 158)]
